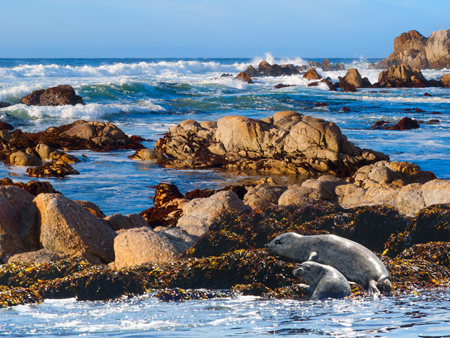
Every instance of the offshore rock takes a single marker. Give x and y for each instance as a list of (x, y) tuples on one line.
[(21, 158), (354, 78), (55, 96), (346, 86), (4, 104), (445, 80), (69, 229), (244, 77), (403, 76), (415, 50), (266, 69), (52, 169), (147, 155), (28, 149), (287, 143), (312, 75)]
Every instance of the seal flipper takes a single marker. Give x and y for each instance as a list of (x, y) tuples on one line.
[(312, 256), (373, 288), (384, 285)]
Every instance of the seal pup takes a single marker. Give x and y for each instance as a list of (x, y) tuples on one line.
[(357, 263), (324, 280)]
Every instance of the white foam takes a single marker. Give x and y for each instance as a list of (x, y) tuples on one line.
[(90, 111), (165, 68)]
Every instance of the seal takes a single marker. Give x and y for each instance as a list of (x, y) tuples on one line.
[(324, 280), (357, 263)]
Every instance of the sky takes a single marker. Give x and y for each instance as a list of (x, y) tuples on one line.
[(203, 28)]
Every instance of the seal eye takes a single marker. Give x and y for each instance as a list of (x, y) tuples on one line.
[(307, 268), (277, 241)]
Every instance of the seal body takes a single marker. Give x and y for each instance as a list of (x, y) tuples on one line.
[(324, 280), (357, 263)]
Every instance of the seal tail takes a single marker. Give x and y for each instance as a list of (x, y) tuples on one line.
[(384, 285)]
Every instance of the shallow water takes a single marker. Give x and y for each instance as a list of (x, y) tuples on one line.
[(421, 315)]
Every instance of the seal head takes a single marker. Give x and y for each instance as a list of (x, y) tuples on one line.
[(324, 280)]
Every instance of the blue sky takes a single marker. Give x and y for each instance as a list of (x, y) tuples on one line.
[(222, 28)]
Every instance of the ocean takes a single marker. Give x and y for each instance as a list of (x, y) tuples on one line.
[(145, 97)]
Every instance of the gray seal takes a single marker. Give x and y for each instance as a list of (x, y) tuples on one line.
[(324, 280), (357, 263)]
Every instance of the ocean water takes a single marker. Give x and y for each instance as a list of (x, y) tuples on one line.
[(146, 97), (423, 314)]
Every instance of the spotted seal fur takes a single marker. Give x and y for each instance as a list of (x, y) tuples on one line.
[(324, 280), (357, 263)]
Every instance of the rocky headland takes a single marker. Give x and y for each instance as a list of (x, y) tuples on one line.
[(54, 247), (415, 50)]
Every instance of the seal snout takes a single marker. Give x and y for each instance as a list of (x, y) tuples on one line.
[(298, 272)]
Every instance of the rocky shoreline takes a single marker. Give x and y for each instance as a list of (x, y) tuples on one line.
[(53, 247)]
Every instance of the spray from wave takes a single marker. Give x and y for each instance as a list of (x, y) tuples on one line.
[(281, 61)]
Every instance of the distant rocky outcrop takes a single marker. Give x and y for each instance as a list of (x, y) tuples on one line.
[(288, 142), (55, 96), (415, 50), (266, 69), (404, 76)]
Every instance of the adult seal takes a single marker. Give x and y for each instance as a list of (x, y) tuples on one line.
[(357, 263), (324, 280)]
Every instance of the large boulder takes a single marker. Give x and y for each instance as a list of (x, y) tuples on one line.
[(143, 245), (436, 192), (19, 222), (353, 77), (21, 158), (69, 229), (121, 222), (55, 96), (199, 213)]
